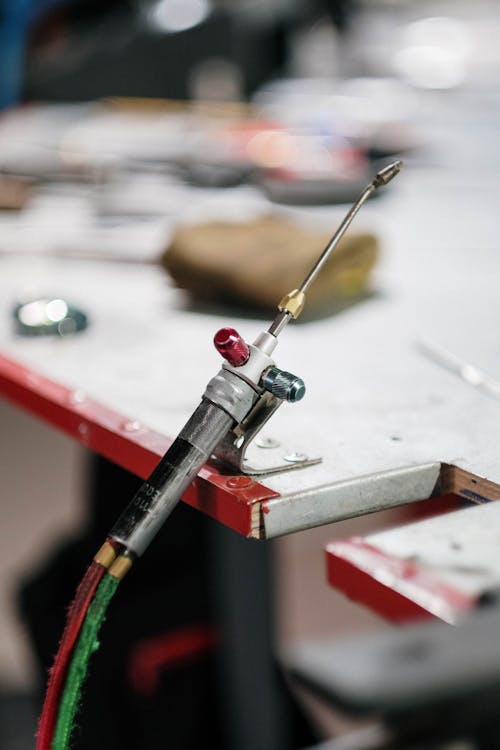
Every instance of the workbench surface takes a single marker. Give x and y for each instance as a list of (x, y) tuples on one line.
[(388, 419)]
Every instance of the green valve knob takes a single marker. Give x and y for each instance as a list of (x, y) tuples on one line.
[(283, 384)]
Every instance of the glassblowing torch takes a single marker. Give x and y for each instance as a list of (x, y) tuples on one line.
[(248, 382)]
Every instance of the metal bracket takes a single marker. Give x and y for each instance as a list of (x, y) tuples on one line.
[(272, 456)]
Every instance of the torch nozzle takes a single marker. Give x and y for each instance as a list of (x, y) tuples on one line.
[(387, 173)]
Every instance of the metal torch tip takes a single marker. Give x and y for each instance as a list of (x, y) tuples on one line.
[(387, 173)]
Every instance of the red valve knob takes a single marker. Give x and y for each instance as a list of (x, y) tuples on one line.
[(231, 346)]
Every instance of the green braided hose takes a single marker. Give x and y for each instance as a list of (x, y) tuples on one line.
[(86, 645)]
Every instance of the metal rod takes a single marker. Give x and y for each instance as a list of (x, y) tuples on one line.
[(382, 177), (279, 322), (336, 238)]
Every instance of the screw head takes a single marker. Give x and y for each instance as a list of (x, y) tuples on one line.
[(266, 442), (239, 482), (295, 458)]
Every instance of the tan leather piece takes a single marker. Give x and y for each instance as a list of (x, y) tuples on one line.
[(257, 262)]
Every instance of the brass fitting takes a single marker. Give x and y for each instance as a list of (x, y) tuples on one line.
[(120, 567), (293, 303), (105, 555)]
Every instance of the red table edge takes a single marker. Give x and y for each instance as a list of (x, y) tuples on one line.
[(368, 575), (233, 500)]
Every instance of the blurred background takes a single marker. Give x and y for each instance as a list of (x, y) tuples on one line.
[(113, 110)]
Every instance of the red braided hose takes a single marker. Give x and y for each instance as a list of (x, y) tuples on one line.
[(74, 619)]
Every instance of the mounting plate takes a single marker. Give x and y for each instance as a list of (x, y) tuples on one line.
[(266, 455)]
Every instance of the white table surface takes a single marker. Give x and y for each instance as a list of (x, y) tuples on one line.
[(375, 403)]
